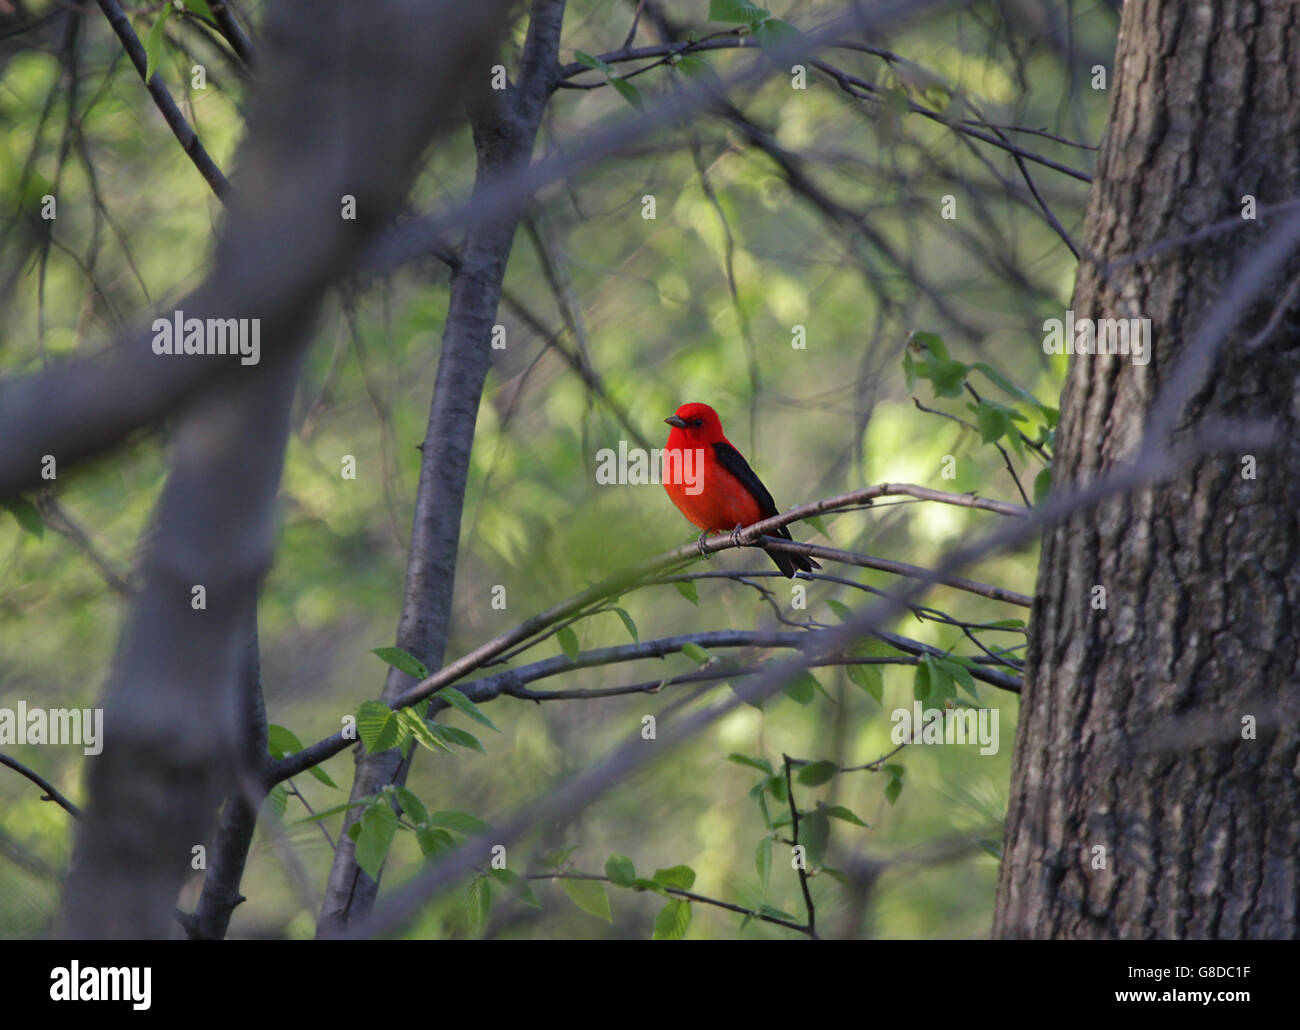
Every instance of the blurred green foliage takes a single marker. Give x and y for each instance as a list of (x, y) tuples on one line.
[(662, 328)]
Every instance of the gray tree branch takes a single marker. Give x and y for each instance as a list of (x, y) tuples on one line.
[(505, 128)]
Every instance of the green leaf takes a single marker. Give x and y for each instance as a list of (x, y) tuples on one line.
[(628, 92), (803, 688), (673, 920), (869, 678), (627, 622), (620, 870), (478, 900), (582, 57), (379, 727), (874, 647), (814, 832), (434, 842), (153, 43), (281, 741), (840, 812), (776, 786), (378, 826), (404, 661), (737, 12), (814, 774), (909, 370), (569, 643), (696, 653), (1042, 484), (460, 822), (761, 764), (325, 813), (200, 7), (992, 421), (25, 512), (700, 70), (921, 681), (947, 377), (842, 611), (1005, 385), (425, 733), (277, 800), (412, 806), (818, 524), (317, 773), (942, 683), (895, 785), (763, 860), (517, 885), (932, 342), (680, 876), (687, 589), (555, 859), (465, 706), (960, 675), (773, 33), (590, 896), (455, 735)]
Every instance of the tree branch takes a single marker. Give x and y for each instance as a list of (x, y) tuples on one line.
[(585, 787), (803, 859), (505, 128), (162, 98), (52, 792)]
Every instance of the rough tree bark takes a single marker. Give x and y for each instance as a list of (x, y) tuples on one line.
[(505, 125), (1131, 735)]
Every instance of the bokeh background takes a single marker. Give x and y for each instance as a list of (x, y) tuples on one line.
[(697, 304)]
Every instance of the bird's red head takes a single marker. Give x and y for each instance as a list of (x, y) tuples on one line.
[(698, 423)]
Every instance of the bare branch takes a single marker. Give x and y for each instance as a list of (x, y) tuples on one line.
[(52, 793)]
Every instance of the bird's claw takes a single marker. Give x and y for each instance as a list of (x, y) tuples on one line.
[(735, 536), (706, 554)]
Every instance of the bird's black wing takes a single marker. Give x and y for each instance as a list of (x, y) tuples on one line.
[(734, 462)]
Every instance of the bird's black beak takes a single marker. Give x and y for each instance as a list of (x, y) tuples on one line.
[(673, 420)]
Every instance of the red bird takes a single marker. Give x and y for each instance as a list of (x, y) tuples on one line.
[(712, 484)]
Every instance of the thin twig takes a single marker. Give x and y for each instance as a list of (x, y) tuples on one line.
[(185, 135), (678, 892), (802, 867), (52, 793)]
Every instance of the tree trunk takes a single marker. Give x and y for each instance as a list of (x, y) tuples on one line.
[(1154, 791), (505, 129)]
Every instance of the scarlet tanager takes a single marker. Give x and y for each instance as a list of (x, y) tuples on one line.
[(723, 493)]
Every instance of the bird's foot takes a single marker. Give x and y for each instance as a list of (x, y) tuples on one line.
[(706, 554), (735, 536)]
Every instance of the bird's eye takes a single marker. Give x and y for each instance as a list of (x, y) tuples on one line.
[(698, 422)]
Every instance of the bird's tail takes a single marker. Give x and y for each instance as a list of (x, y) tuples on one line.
[(790, 563)]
